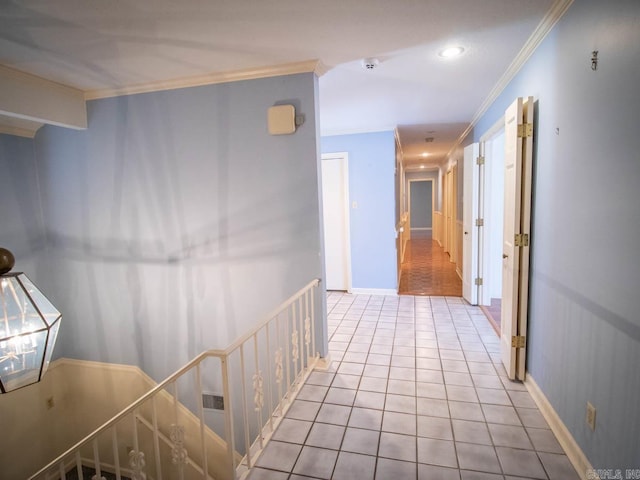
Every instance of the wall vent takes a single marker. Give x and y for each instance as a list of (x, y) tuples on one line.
[(429, 139), (212, 401)]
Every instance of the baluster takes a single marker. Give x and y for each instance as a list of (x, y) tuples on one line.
[(269, 379), (96, 459), (203, 443), (156, 439), (136, 457), (295, 353), (178, 452), (78, 465), (245, 415), (116, 454), (258, 390)]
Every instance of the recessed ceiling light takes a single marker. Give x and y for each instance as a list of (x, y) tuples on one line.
[(451, 52), (424, 154), (421, 166)]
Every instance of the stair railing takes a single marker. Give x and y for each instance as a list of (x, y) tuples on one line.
[(271, 361)]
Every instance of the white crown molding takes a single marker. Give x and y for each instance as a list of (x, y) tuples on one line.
[(356, 131), (24, 96), (555, 13), (19, 132), (310, 66)]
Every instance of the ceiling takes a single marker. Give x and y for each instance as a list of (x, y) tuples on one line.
[(97, 46)]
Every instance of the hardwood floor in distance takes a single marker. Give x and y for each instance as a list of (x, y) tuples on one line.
[(426, 269)]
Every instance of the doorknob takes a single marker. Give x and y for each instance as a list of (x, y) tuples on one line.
[(504, 255), (466, 233)]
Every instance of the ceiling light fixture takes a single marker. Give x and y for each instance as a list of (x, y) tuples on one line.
[(421, 166), (451, 52), (28, 328), (424, 154)]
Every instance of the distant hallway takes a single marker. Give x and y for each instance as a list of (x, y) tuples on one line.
[(426, 269)]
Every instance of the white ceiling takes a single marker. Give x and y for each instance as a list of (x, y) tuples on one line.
[(123, 43)]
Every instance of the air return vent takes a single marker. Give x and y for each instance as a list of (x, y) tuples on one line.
[(212, 401), (428, 139)]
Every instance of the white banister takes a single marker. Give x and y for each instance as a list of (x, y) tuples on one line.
[(285, 340)]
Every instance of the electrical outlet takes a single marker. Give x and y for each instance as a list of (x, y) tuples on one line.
[(50, 403), (591, 416)]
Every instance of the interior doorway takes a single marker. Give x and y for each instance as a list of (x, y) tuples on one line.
[(421, 207), (335, 199), (493, 147)]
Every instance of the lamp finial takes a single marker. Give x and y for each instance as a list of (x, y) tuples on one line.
[(7, 261)]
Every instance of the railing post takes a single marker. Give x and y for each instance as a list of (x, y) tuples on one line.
[(228, 415), (205, 466), (116, 454)]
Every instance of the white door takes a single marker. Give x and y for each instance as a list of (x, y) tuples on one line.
[(470, 230), (335, 207), (517, 207)]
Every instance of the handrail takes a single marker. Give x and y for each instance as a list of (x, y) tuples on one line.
[(171, 379)]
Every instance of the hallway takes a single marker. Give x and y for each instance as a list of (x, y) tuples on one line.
[(426, 269), (415, 390)]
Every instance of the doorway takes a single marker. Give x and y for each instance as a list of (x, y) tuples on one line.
[(335, 208), (421, 207), (493, 146)]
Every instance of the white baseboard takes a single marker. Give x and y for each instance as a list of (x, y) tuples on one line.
[(374, 291), (575, 454)]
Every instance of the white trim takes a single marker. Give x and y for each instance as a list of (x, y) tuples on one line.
[(28, 97), (344, 156), (19, 132), (355, 131), (575, 454), (374, 291), (421, 229), (115, 367), (309, 66), (555, 13)]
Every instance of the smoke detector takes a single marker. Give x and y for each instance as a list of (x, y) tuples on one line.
[(370, 63)]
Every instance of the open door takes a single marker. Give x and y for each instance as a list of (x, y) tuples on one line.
[(515, 249), (470, 246)]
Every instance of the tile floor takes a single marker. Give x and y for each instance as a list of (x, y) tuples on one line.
[(426, 269), (415, 391)]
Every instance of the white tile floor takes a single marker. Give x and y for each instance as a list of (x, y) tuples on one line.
[(416, 390)]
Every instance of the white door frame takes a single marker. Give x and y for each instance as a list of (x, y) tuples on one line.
[(484, 297), (411, 180), (344, 158)]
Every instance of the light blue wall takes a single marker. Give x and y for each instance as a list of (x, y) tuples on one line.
[(176, 221), (21, 227), (584, 322), (371, 185)]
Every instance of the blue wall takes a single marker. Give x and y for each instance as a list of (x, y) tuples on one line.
[(175, 222), (584, 326), (22, 229), (371, 185)]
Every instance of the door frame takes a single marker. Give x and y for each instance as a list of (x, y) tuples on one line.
[(344, 158), (484, 294), (410, 181)]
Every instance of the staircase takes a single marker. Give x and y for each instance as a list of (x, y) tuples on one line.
[(167, 434)]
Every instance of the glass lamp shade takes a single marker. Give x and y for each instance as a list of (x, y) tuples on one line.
[(29, 326)]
